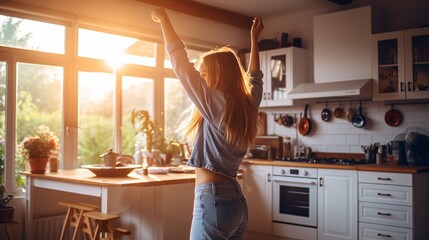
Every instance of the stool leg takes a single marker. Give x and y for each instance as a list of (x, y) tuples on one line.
[(79, 223), (66, 220)]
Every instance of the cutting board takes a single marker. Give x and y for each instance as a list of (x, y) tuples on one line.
[(262, 124)]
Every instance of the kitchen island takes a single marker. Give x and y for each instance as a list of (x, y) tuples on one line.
[(153, 206)]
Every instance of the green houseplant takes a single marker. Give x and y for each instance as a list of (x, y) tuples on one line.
[(143, 124), (6, 212), (38, 148)]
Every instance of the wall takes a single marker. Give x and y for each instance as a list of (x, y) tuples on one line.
[(339, 135)]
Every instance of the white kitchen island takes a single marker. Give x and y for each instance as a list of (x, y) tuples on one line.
[(154, 206)]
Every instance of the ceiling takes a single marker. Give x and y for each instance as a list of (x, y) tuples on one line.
[(265, 8), (241, 12)]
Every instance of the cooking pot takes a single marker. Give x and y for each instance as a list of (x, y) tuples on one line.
[(393, 117), (339, 112), (112, 159), (326, 114), (304, 125), (358, 119), (287, 120)]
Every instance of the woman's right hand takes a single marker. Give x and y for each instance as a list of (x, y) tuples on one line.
[(159, 15), (257, 27)]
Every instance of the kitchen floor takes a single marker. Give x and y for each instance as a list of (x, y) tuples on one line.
[(258, 236)]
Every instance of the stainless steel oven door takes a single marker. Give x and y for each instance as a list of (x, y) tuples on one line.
[(295, 200)]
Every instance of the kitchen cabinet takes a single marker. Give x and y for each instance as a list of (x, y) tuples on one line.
[(337, 204), (393, 205), (258, 191), (283, 69), (401, 65)]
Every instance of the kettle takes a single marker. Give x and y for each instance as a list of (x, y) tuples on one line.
[(112, 159), (397, 149)]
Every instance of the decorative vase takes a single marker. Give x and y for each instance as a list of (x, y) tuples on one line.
[(38, 165), (6, 214)]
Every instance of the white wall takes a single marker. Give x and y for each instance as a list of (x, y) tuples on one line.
[(339, 135)]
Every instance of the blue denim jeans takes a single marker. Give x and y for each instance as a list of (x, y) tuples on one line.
[(220, 211)]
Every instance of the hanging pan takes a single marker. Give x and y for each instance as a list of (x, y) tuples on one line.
[(358, 119), (326, 113), (393, 117), (304, 125)]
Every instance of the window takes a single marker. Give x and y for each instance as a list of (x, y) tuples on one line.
[(137, 93), (96, 98), (32, 35), (115, 49), (38, 102), (2, 118), (88, 95)]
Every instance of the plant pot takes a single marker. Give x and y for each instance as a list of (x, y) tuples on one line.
[(38, 165), (6, 214)]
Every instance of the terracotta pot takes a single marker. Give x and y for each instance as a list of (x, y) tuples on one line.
[(38, 165), (6, 214)]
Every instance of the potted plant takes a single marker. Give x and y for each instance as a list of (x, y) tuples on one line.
[(6, 212), (37, 149), (140, 119)]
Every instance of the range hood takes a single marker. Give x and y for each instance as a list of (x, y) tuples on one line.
[(344, 89)]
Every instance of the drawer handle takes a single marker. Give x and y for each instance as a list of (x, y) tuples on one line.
[(384, 194), (384, 214), (384, 235), (384, 179)]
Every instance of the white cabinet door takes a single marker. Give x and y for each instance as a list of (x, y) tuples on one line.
[(401, 65), (283, 69), (258, 191), (337, 204)]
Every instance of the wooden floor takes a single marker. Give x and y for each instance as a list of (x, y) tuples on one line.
[(260, 236)]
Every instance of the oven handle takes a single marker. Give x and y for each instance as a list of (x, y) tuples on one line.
[(295, 180)]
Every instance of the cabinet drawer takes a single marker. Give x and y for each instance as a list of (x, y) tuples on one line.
[(399, 195), (393, 215), (404, 179), (375, 231)]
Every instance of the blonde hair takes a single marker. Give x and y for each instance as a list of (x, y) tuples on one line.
[(240, 114)]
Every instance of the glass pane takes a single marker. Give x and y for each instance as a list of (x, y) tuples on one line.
[(115, 49), (278, 77), (96, 98), (2, 118), (294, 201), (420, 63), (137, 93), (176, 102), (39, 102), (32, 35)]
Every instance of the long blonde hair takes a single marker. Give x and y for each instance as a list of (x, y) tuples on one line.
[(240, 114)]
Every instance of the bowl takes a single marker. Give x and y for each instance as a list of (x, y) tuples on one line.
[(101, 170)]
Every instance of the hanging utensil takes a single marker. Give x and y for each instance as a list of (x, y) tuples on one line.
[(350, 112), (339, 111), (326, 113), (304, 125), (393, 117), (358, 119)]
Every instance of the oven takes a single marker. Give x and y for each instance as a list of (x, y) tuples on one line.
[(295, 202)]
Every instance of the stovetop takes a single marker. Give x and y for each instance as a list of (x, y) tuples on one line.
[(323, 160)]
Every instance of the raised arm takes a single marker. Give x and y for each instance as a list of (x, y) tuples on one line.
[(160, 16), (256, 30)]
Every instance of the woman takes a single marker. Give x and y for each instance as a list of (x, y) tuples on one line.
[(222, 126)]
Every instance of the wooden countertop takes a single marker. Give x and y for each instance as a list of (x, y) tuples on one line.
[(85, 176), (361, 167)]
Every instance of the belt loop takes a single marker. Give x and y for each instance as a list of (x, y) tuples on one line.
[(213, 188)]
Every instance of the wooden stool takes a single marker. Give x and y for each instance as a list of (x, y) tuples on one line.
[(103, 229), (76, 220)]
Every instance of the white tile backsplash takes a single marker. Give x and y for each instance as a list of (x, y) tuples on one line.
[(339, 135)]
